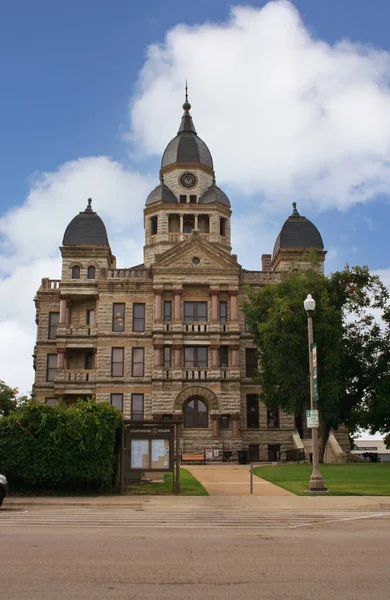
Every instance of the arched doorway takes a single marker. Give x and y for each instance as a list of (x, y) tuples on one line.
[(195, 413)]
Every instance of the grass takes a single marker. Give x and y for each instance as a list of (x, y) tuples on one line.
[(341, 480), (188, 484)]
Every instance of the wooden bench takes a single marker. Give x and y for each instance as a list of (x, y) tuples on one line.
[(198, 458)]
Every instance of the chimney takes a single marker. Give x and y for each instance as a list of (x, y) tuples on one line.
[(266, 262)]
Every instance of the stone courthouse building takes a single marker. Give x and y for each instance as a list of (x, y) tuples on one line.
[(168, 335)]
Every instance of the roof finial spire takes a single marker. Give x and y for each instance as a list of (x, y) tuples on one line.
[(89, 207), (186, 105), (295, 213)]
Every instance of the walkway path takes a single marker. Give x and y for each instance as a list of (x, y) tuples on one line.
[(233, 480)]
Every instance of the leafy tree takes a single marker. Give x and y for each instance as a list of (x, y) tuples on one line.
[(353, 350), (62, 447), (9, 399)]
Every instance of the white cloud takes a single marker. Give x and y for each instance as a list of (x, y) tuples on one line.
[(286, 116), (31, 234)]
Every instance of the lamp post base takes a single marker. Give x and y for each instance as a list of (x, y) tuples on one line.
[(316, 485)]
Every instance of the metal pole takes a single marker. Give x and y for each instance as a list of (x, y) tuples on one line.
[(316, 480), (251, 478), (178, 458)]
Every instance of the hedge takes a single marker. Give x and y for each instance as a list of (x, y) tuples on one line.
[(62, 447)]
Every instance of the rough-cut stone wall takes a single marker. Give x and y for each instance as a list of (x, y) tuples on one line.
[(204, 181)]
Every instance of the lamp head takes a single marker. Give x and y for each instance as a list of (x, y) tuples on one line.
[(309, 303)]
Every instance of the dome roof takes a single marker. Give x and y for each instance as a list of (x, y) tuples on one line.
[(86, 228), (214, 194), (298, 232), (187, 147), (161, 192)]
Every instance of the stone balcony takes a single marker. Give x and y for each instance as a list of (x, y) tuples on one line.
[(76, 337), (198, 374), (49, 285), (196, 327), (75, 381)]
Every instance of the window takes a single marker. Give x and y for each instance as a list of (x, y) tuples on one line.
[(137, 407), (91, 273), (117, 360), (222, 227), (192, 199), (223, 311), (224, 356), (51, 367), (252, 411), (90, 316), (273, 417), (167, 310), (225, 422), (137, 365), (195, 357), (273, 452), (75, 272), (183, 199), (195, 311), (51, 401), (153, 225), (54, 318), (138, 317), (195, 414), (250, 362), (118, 317), (167, 357), (117, 401), (88, 360), (188, 227)]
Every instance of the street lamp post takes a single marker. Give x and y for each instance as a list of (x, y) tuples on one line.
[(316, 481)]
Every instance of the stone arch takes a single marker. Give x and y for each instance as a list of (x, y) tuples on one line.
[(196, 390)]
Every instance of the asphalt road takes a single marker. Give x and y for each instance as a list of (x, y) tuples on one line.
[(204, 554)]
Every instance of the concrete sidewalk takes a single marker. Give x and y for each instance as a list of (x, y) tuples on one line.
[(233, 480)]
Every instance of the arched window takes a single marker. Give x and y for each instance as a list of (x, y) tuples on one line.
[(91, 273), (75, 272), (195, 414)]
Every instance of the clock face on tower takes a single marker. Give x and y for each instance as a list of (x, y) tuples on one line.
[(188, 180)]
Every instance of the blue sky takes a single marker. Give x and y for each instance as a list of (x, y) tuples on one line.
[(91, 93)]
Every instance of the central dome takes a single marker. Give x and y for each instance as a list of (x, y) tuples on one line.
[(187, 147)]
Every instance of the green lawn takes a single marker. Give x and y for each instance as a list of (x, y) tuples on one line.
[(189, 486), (341, 480)]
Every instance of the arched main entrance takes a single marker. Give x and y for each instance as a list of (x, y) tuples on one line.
[(195, 413)]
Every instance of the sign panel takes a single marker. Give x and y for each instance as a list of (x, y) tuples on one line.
[(160, 454), (209, 454), (139, 454), (216, 453), (314, 364), (312, 419)]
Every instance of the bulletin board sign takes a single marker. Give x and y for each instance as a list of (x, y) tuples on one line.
[(149, 446)]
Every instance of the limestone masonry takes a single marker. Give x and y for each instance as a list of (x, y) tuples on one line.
[(169, 335)]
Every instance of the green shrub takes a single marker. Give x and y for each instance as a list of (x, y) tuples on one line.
[(62, 447)]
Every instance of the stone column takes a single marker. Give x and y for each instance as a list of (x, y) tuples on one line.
[(62, 320), (214, 304), (214, 356), (176, 356), (235, 426), (234, 356), (157, 355), (158, 304), (177, 304), (181, 223), (233, 305), (60, 359), (196, 223), (216, 425)]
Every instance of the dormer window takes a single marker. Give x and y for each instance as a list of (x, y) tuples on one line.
[(75, 272), (183, 199), (192, 199), (91, 273)]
